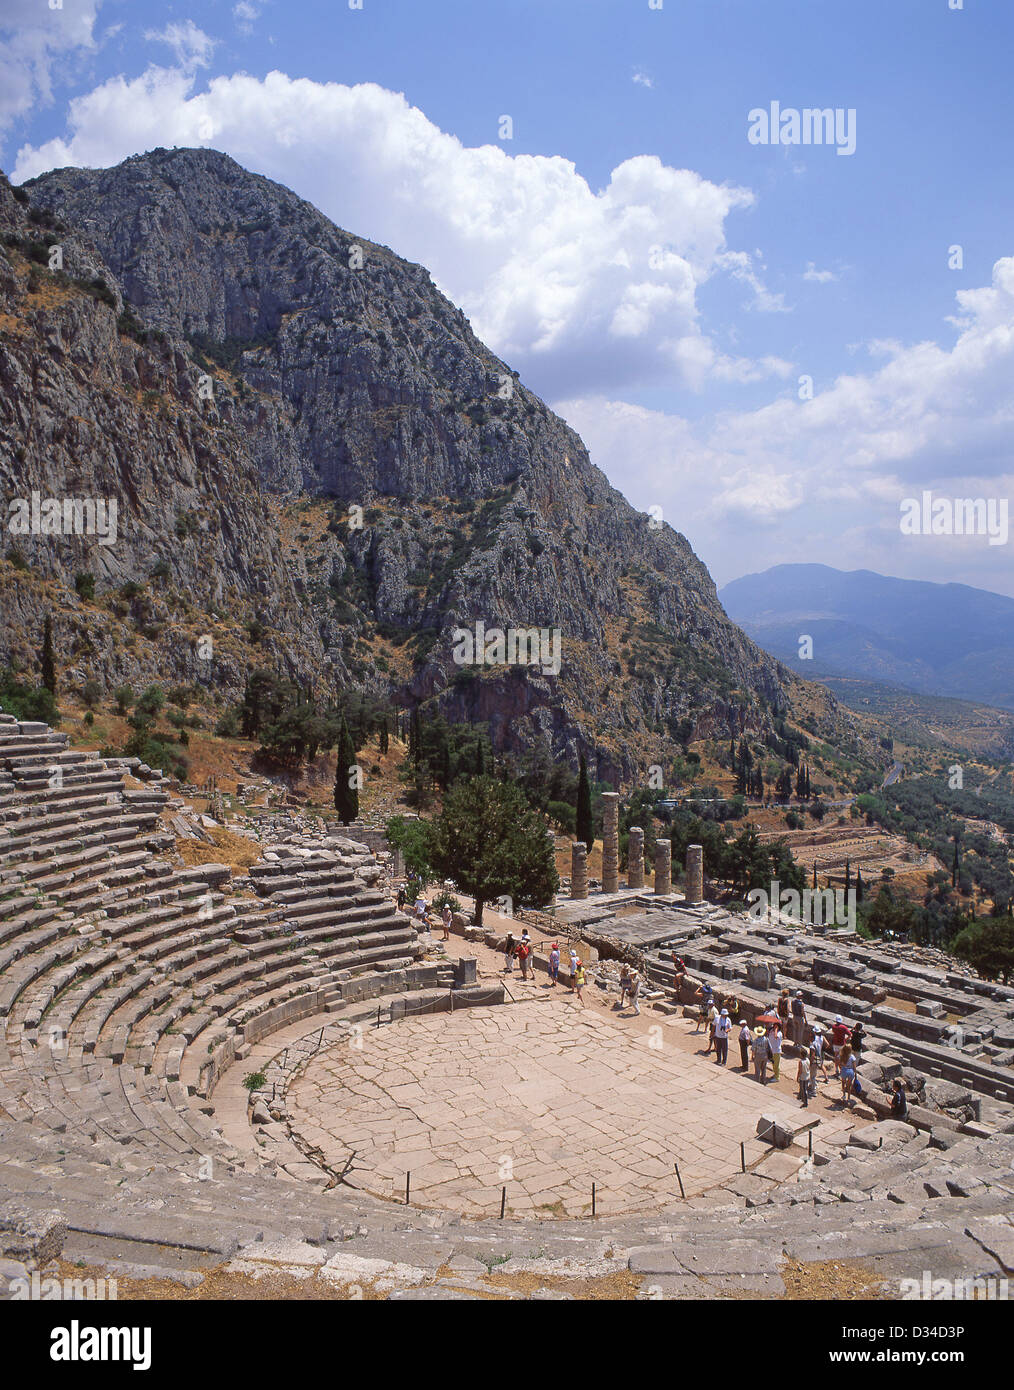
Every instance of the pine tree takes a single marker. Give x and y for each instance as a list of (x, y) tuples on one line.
[(346, 798), (585, 824), (48, 657)]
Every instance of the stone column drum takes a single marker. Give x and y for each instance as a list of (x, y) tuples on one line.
[(695, 874), (610, 842), (663, 867), (635, 858), (578, 870)]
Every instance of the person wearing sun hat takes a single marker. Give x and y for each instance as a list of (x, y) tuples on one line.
[(761, 1053), (723, 1027)]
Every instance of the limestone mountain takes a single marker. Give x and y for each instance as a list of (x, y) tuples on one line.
[(320, 466)]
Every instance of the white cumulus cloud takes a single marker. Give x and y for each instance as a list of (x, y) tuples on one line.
[(34, 41), (582, 289), (824, 479)]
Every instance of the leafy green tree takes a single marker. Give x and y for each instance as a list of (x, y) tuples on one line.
[(493, 844), (415, 839), (988, 946), (26, 701)]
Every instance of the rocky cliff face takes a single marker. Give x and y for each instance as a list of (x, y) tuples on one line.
[(301, 430)]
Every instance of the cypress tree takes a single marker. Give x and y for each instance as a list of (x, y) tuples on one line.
[(346, 798), (384, 737), (415, 739), (859, 885), (48, 656), (955, 865), (585, 824), (848, 875)]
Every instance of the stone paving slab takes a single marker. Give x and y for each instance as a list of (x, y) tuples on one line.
[(542, 1100)]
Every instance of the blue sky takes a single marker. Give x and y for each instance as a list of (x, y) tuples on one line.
[(662, 281)]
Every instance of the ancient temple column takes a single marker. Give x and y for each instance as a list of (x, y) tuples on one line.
[(635, 858), (695, 874), (663, 867), (578, 870), (610, 842)]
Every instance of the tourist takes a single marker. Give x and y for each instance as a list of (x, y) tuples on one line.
[(578, 978), (526, 940), (803, 1078), (798, 1018), (858, 1038), (812, 1090), (712, 1017), (635, 991), (745, 1038), (775, 1044), (847, 1066), (899, 1101), (445, 918), (703, 995), (723, 1027), (401, 897), (732, 1004), (840, 1035), (761, 1053), (508, 954), (818, 1044), (554, 964), (523, 950), (782, 1009), (624, 984), (573, 967), (679, 973)]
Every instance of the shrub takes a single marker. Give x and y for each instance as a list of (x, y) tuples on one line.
[(228, 725), (85, 585)]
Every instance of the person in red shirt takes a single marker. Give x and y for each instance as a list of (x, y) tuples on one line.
[(841, 1033)]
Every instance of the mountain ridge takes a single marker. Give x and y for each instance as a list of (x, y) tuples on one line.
[(342, 380)]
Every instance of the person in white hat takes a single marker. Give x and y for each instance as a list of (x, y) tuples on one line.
[(723, 1027)]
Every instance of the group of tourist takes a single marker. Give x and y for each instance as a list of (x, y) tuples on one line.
[(421, 914), (786, 1020)]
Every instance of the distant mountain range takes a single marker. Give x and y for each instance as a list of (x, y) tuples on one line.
[(934, 639)]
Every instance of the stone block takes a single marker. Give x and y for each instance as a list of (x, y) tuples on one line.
[(883, 1134), (930, 1008)]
